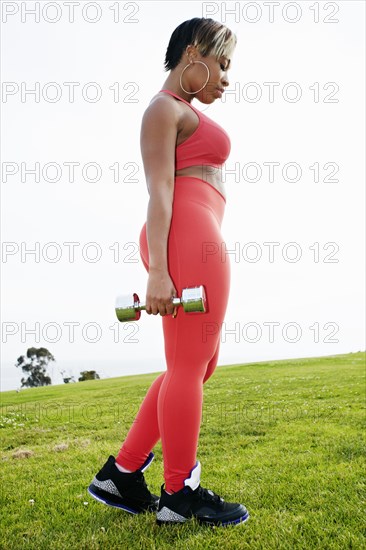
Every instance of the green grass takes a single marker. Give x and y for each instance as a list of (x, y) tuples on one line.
[(283, 437)]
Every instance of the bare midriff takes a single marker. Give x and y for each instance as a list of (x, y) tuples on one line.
[(210, 174)]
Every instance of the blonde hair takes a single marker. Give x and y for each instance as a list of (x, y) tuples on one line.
[(209, 36)]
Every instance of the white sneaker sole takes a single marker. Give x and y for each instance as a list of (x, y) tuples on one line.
[(167, 516)]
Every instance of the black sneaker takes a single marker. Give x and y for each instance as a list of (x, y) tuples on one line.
[(124, 490), (195, 501)]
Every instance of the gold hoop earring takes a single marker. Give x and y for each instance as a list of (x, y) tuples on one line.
[(208, 76)]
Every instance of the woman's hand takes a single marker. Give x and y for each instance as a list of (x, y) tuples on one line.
[(160, 289)]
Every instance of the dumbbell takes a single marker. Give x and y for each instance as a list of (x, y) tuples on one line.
[(128, 308)]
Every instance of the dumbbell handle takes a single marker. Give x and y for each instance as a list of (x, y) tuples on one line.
[(141, 305)]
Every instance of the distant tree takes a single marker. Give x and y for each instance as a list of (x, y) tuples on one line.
[(89, 375), (35, 364)]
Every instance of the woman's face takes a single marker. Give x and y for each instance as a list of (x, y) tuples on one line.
[(196, 76)]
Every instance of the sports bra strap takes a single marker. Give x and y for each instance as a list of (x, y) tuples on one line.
[(182, 99)]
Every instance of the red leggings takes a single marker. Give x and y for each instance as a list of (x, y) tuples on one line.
[(172, 407)]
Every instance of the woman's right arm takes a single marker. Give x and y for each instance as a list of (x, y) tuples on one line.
[(157, 141)]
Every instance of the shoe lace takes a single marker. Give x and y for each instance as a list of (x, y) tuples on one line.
[(207, 494)]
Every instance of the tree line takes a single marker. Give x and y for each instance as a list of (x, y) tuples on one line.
[(35, 363)]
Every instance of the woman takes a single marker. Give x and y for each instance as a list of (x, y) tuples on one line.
[(183, 151)]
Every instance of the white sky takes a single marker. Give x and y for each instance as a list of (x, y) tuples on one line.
[(326, 125)]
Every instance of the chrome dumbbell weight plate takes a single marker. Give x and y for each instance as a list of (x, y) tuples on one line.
[(194, 299), (127, 307)]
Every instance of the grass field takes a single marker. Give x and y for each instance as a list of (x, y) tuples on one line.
[(285, 438)]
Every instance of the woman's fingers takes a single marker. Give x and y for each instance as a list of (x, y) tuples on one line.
[(163, 307), (160, 294)]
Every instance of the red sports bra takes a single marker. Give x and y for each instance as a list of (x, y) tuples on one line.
[(208, 145)]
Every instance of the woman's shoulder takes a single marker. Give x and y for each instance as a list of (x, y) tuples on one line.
[(163, 99), (158, 94), (163, 105)]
